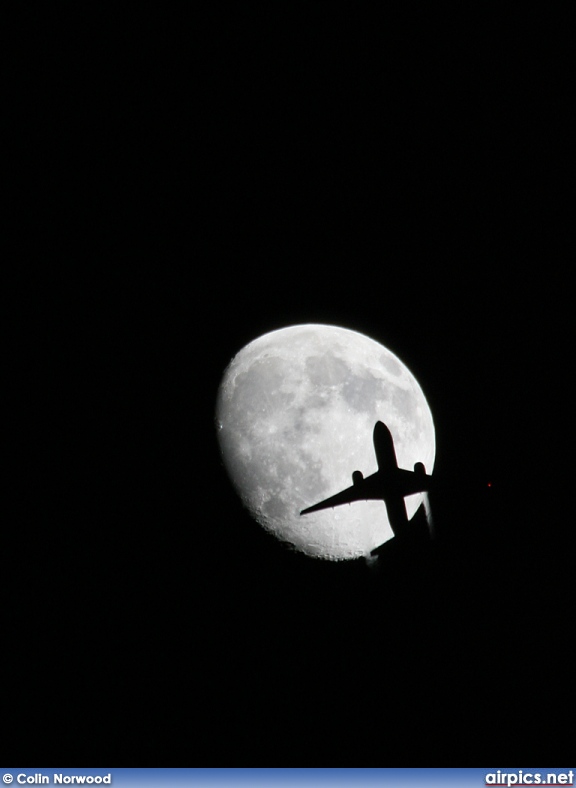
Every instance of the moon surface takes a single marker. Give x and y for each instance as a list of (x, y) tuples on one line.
[(295, 413)]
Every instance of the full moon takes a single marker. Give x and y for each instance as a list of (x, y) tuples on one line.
[(295, 413)]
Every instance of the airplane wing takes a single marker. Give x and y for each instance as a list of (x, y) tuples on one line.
[(362, 490), (381, 486), (371, 489), (410, 482)]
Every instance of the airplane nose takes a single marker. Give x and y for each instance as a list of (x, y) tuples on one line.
[(381, 429)]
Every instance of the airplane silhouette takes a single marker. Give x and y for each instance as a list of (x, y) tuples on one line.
[(389, 484)]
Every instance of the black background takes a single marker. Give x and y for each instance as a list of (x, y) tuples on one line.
[(182, 181)]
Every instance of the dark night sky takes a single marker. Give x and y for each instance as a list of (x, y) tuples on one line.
[(184, 181)]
